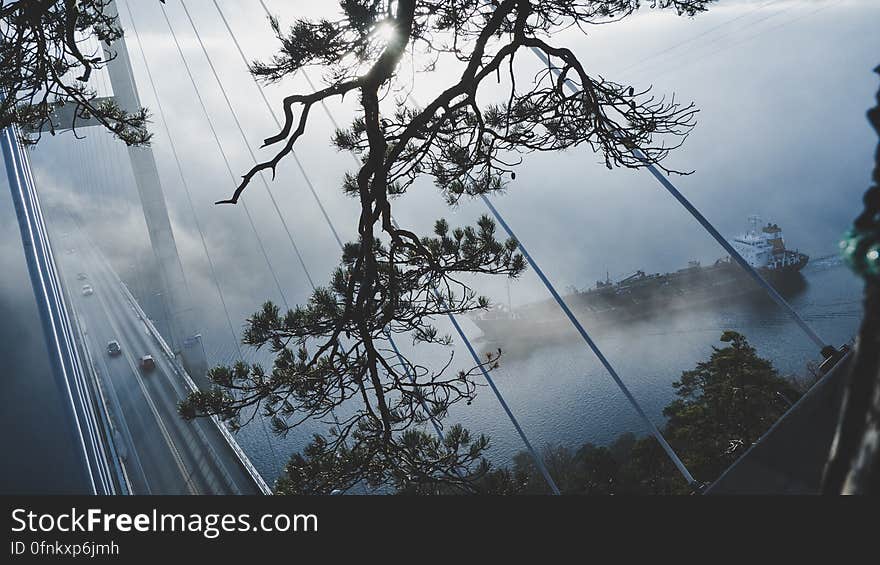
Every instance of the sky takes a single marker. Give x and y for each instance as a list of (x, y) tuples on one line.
[(782, 87)]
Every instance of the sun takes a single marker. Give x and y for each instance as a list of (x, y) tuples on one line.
[(385, 32)]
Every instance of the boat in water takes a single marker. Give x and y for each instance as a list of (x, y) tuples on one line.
[(643, 295)]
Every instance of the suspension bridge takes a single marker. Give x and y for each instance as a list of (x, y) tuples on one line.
[(123, 406)]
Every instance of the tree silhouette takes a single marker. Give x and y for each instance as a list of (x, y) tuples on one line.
[(722, 407), (45, 67), (853, 465), (335, 351), (391, 281)]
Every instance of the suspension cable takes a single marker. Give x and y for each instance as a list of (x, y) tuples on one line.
[(254, 158), (538, 460), (278, 123), (183, 181), (651, 426), (655, 431), (734, 254), (272, 113), (235, 340), (400, 359), (640, 63), (247, 143), (223, 153)]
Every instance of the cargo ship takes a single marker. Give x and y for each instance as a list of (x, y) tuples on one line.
[(642, 295)]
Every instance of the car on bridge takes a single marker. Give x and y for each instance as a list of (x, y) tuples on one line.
[(147, 363), (87, 290), (113, 348), (81, 276)]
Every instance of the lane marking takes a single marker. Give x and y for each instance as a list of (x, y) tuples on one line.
[(190, 435), (127, 355), (214, 468), (80, 309)]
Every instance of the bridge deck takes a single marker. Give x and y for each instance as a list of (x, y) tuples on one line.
[(162, 453)]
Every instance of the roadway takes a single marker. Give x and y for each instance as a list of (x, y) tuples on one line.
[(161, 452)]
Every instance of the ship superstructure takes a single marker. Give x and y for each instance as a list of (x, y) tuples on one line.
[(641, 295), (765, 249)]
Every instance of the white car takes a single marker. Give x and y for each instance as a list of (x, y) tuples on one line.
[(87, 290)]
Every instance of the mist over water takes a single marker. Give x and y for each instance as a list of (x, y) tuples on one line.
[(562, 394), (781, 134)]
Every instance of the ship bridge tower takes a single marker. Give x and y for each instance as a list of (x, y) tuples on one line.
[(754, 221), (773, 234)]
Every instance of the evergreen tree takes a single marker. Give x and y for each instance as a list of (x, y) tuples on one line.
[(44, 67), (723, 406), (334, 350)]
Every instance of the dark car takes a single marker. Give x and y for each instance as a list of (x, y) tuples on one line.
[(113, 348), (147, 363)]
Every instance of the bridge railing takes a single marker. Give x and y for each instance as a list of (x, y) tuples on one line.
[(58, 329), (100, 402)]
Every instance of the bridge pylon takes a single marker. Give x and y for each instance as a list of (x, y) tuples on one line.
[(185, 338)]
